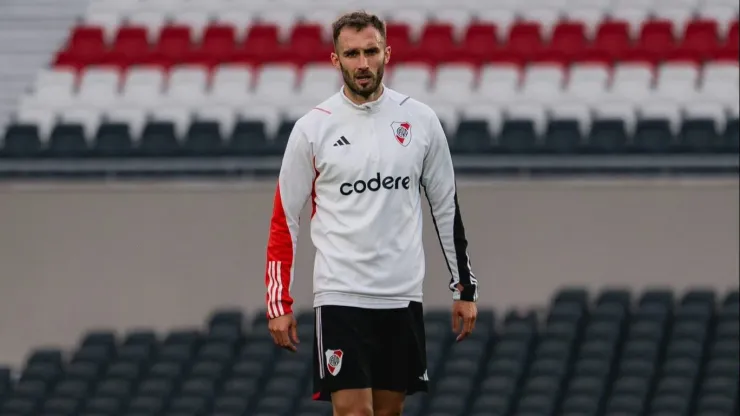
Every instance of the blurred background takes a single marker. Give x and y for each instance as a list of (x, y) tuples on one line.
[(596, 147)]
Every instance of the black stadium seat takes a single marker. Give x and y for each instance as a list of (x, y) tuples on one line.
[(471, 137), (68, 140), (653, 136), (113, 140), (21, 141), (158, 139), (203, 138), (563, 136), (249, 138), (517, 137), (700, 135), (614, 352), (731, 136), (607, 136)]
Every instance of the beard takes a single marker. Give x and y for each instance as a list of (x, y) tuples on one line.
[(365, 91)]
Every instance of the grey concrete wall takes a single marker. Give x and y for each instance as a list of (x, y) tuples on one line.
[(159, 255)]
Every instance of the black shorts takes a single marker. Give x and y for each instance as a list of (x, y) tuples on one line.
[(356, 348)]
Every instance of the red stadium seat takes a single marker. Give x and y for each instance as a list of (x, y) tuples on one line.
[(700, 41), (656, 40), (86, 46), (87, 40), (700, 38), (262, 45), (568, 39), (173, 47), (479, 43), (218, 45), (524, 42), (130, 47), (436, 43), (399, 38), (308, 45), (612, 40)]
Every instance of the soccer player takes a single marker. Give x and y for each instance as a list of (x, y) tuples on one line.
[(362, 157)]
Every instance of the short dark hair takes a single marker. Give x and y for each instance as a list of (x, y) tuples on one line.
[(357, 20)]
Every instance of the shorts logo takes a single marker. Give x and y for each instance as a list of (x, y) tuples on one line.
[(334, 361), (402, 131)]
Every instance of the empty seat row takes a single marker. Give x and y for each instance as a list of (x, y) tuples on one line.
[(464, 76), (502, 13), (615, 352), (494, 113), (203, 138), (454, 86), (524, 42)]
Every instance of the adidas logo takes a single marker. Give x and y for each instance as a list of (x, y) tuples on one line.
[(341, 142)]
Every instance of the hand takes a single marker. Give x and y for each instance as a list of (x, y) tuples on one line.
[(282, 329), (467, 312)]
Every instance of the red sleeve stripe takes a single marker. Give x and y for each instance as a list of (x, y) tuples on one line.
[(279, 262), (275, 290)]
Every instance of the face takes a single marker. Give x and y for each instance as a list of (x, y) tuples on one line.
[(361, 56)]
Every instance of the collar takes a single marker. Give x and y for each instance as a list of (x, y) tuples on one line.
[(371, 106)]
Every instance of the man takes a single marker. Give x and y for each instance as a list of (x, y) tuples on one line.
[(363, 156)]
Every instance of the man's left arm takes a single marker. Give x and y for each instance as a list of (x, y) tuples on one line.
[(438, 181)]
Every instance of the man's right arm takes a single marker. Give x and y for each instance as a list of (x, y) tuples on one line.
[(295, 184)]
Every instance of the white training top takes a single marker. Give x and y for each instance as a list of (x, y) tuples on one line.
[(364, 167)]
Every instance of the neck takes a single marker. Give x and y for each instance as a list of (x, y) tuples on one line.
[(358, 99)]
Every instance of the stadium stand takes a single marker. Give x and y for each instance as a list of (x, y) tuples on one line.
[(613, 352), (163, 78)]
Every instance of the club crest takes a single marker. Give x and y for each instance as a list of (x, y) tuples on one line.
[(402, 132), (334, 361)]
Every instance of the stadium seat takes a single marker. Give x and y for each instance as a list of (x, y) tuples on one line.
[(614, 349), (622, 77)]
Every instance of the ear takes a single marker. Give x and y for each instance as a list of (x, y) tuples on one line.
[(335, 60), (387, 54)]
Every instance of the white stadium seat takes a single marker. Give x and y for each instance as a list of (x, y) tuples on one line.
[(106, 89), (318, 82), (453, 84), (186, 85), (99, 86), (143, 87), (275, 84), (411, 79), (498, 84)]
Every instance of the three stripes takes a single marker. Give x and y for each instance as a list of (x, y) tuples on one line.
[(275, 289), (341, 142)]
